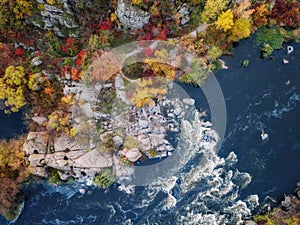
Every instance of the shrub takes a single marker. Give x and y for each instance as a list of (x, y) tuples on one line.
[(104, 179), (272, 36)]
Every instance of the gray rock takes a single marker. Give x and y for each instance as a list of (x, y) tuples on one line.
[(133, 154), (287, 202), (143, 123), (40, 120), (145, 142), (51, 8), (156, 139), (108, 85), (131, 17), (184, 14), (177, 111), (36, 61), (56, 19), (118, 141), (123, 173), (98, 86), (64, 175)]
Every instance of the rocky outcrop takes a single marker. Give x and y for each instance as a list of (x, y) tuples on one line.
[(183, 14), (64, 154), (131, 17), (59, 20)]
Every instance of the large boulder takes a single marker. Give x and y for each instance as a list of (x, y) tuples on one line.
[(118, 141), (36, 143), (60, 20), (40, 120), (133, 154)]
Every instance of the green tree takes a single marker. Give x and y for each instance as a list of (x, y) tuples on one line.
[(240, 30), (225, 21), (12, 88), (213, 9)]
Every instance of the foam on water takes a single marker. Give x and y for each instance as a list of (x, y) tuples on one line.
[(212, 184)]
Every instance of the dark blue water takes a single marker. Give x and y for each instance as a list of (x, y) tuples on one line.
[(11, 125), (265, 96)]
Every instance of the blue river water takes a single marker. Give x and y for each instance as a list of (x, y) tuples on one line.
[(261, 98)]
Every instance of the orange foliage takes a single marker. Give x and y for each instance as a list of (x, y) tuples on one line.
[(243, 10), (12, 173), (49, 90), (260, 15), (104, 66), (75, 74)]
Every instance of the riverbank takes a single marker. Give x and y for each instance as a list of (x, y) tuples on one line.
[(50, 81)]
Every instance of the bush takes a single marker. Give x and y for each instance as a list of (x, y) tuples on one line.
[(266, 51), (104, 179), (272, 36)]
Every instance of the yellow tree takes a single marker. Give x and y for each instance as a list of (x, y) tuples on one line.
[(240, 30), (22, 9), (212, 9), (146, 90), (225, 21), (12, 88), (13, 13)]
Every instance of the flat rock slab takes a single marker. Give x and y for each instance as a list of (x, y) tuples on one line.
[(64, 142), (94, 159)]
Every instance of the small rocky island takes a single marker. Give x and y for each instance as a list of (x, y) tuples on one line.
[(105, 141)]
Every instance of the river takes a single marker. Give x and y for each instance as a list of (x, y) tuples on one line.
[(261, 98)]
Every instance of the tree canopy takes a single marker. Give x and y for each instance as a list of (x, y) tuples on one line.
[(12, 88), (213, 9), (225, 21)]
